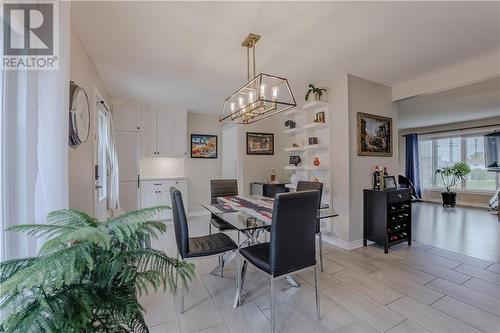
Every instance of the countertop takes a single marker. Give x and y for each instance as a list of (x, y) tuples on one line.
[(162, 178)]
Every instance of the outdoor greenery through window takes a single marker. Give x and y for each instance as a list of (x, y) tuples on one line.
[(441, 152)]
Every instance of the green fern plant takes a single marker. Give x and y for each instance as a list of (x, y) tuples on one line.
[(313, 90), (88, 274)]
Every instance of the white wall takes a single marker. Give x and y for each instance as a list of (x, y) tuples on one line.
[(81, 160), (374, 98), (199, 171)]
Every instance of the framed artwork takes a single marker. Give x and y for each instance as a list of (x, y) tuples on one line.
[(390, 183), (203, 146), (260, 143), (374, 135)]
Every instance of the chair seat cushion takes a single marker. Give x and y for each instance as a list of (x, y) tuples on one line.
[(210, 245), (220, 224), (258, 255)]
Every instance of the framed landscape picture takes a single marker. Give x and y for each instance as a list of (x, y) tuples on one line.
[(374, 135), (203, 146), (260, 143)]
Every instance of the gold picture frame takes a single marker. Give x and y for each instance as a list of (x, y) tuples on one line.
[(374, 135)]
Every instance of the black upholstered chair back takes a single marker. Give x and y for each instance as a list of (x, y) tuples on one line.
[(180, 222), (222, 188), (311, 186), (293, 232)]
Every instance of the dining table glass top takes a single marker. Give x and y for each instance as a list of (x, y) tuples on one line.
[(252, 212)]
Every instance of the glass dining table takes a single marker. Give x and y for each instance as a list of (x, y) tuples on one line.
[(251, 216)]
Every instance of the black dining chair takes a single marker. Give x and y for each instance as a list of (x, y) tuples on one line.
[(221, 188), (195, 247), (314, 186), (292, 247)]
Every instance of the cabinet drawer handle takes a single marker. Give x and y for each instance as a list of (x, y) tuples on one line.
[(157, 184)]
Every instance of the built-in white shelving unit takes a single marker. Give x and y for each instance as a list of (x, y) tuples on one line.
[(305, 128)]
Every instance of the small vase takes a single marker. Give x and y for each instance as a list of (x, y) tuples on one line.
[(316, 162)]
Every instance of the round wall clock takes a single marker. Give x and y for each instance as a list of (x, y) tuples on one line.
[(79, 115)]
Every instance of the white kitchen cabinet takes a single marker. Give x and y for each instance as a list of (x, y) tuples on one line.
[(163, 134), (126, 117), (148, 133), (179, 131), (127, 149), (157, 193)]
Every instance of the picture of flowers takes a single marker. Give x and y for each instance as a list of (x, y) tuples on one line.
[(203, 146), (260, 143), (374, 135)]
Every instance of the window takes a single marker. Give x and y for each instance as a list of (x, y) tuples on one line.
[(102, 167), (479, 178), (435, 153)]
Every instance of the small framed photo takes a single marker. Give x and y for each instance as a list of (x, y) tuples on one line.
[(203, 146), (260, 143), (390, 183)]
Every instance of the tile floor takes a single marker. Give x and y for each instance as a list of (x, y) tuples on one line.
[(416, 289)]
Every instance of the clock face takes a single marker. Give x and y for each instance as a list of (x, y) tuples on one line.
[(79, 116)]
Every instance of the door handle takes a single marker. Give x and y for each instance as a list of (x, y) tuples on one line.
[(98, 187)]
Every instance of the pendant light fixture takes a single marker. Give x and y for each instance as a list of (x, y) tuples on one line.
[(263, 96)]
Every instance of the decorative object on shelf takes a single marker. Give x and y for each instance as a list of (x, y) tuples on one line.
[(316, 91), (264, 95), (290, 124), (79, 115), (295, 160), (374, 135), (317, 180), (313, 140), (203, 146), (273, 176), (294, 179), (260, 143), (320, 117), (450, 175), (295, 145), (316, 161), (389, 182)]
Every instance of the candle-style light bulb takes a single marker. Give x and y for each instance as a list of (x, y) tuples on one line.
[(240, 101), (275, 93), (263, 91), (232, 106), (251, 95)]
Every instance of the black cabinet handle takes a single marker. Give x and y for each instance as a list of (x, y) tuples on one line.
[(138, 181)]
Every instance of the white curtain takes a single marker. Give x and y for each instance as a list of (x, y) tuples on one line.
[(34, 156), (113, 171)]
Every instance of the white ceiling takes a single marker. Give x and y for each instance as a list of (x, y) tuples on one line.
[(188, 55), (476, 101)]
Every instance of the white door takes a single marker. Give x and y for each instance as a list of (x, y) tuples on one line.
[(126, 117), (229, 151), (127, 148), (164, 134), (179, 134), (101, 163), (148, 133), (129, 196)]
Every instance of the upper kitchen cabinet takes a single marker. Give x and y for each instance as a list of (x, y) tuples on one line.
[(163, 134), (126, 117)]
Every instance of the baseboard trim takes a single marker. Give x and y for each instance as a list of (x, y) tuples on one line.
[(198, 213), (344, 244), (460, 203)]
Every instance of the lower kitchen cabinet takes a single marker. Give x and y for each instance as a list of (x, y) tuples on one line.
[(157, 193)]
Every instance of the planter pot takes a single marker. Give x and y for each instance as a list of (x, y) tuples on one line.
[(449, 199)]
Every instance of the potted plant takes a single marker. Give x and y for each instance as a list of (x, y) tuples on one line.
[(88, 274), (316, 91), (450, 176)]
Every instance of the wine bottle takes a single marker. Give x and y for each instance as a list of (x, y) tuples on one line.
[(376, 179)]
